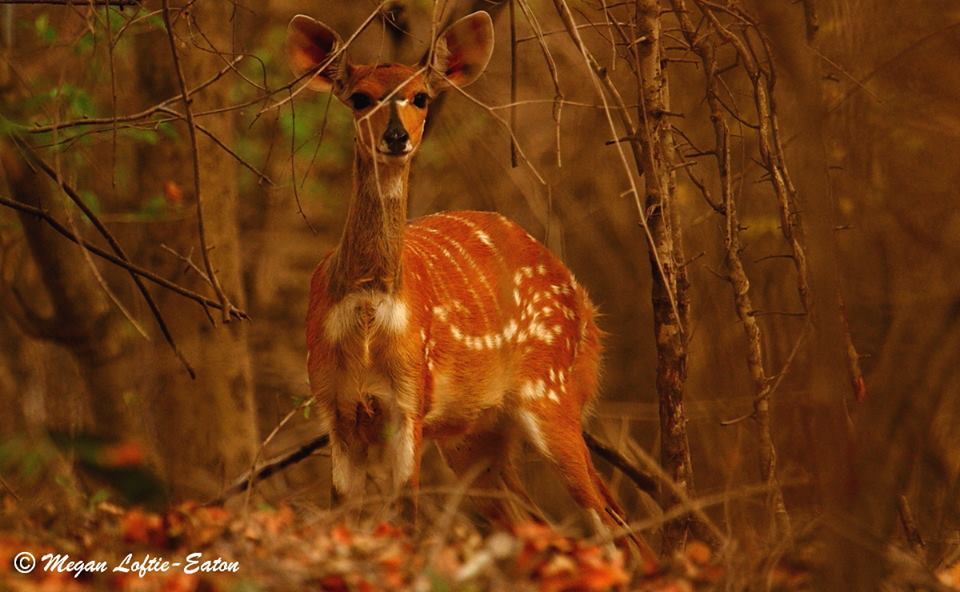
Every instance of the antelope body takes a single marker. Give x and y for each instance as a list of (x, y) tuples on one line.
[(457, 327)]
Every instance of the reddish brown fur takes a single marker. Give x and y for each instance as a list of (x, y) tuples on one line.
[(381, 82)]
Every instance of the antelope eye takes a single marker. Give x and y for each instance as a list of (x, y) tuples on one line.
[(360, 101), (420, 100)]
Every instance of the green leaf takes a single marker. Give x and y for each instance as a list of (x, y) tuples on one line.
[(168, 130), (146, 136), (100, 496), (157, 21), (117, 18), (46, 33), (91, 200), (153, 209), (84, 44)]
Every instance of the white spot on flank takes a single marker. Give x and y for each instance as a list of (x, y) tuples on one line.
[(541, 269), (484, 237), (516, 296), (533, 389)]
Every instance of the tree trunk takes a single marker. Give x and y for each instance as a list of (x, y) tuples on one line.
[(205, 429), (669, 279), (81, 319)]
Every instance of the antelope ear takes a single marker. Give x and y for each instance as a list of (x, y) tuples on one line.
[(461, 53), (310, 44)]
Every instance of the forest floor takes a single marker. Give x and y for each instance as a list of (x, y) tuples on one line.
[(210, 549), (287, 549)]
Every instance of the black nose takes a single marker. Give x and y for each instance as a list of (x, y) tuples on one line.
[(396, 139)]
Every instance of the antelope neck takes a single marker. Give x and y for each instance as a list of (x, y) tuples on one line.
[(368, 256)]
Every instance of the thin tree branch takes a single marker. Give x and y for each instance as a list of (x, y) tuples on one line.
[(114, 245), (276, 464), (225, 306), (145, 273), (644, 481), (77, 3)]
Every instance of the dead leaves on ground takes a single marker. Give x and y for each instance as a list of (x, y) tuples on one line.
[(283, 549)]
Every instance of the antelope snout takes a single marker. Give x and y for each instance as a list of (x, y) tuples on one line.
[(395, 141)]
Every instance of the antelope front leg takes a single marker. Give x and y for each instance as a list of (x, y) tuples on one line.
[(348, 476), (406, 469)]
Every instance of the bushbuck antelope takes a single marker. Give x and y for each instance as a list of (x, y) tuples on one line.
[(457, 327)]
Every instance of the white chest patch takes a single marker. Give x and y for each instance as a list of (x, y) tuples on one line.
[(371, 312)]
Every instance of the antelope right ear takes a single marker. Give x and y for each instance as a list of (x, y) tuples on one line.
[(462, 52), (310, 46)]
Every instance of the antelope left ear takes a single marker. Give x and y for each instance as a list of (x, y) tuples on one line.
[(310, 47), (462, 52)]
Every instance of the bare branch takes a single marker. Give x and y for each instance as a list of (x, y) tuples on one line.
[(77, 3), (225, 306), (114, 245), (144, 273)]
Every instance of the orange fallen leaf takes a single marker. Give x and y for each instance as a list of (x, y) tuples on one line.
[(172, 191)]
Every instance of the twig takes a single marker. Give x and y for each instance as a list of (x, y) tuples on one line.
[(278, 463), (910, 530), (225, 306), (190, 265), (514, 67), (242, 161), (114, 245), (272, 467), (10, 489), (293, 161), (558, 98), (602, 82), (705, 49), (811, 17), (77, 3), (256, 459), (144, 273), (145, 113), (644, 481)]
